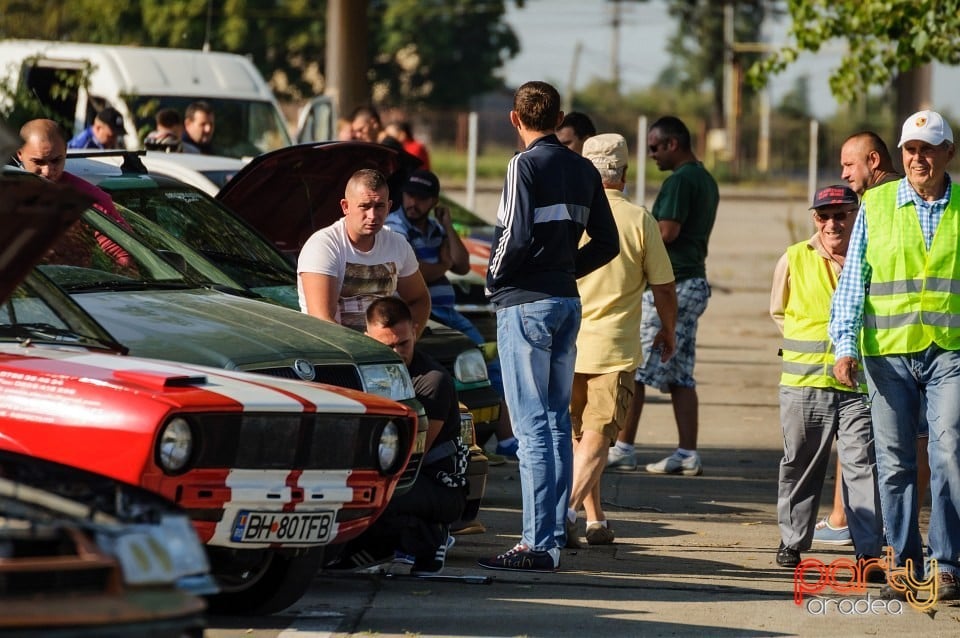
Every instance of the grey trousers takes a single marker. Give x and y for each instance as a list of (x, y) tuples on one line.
[(811, 418)]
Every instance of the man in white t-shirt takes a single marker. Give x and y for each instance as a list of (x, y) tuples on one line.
[(345, 266)]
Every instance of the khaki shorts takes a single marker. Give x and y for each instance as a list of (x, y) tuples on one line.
[(599, 402)]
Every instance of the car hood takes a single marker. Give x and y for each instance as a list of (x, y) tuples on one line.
[(33, 214), (211, 328), (290, 193)]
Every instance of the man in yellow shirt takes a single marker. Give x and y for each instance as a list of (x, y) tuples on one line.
[(608, 344)]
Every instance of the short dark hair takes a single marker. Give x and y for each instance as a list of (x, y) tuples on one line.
[(537, 104), (873, 143), (387, 312), (369, 178), (581, 124), (671, 127), (168, 117), (199, 105)]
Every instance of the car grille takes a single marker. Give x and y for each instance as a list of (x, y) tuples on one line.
[(344, 376), (292, 441), (410, 473)]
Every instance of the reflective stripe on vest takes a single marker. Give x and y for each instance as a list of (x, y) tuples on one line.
[(807, 352), (914, 294)]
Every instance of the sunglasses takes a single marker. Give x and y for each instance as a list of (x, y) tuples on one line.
[(656, 147), (825, 217)]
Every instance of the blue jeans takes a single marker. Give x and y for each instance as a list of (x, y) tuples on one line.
[(538, 346), (901, 387)]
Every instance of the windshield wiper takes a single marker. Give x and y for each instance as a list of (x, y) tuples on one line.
[(47, 333), (262, 268), (115, 285)]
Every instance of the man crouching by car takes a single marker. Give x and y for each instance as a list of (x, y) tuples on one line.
[(417, 523)]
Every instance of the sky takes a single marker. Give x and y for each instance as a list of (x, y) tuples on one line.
[(543, 27)]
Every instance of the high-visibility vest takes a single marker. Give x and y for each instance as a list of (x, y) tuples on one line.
[(913, 299), (808, 355)]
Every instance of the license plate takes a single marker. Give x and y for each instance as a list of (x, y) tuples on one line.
[(289, 528)]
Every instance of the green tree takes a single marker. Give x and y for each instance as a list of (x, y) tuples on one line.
[(883, 37), (438, 52), (430, 52), (697, 45)]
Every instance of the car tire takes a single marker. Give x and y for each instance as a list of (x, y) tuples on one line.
[(279, 582)]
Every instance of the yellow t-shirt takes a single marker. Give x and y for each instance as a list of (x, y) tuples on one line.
[(609, 338)]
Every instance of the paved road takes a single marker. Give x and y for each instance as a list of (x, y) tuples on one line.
[(694, 556)]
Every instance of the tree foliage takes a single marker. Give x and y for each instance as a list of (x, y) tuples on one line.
[(883, 37), (440, 52), (697, 46), (431, 52)]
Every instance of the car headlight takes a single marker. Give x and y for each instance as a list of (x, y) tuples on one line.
[(388, 447), (390, 380), (175, 445), (470, 366)]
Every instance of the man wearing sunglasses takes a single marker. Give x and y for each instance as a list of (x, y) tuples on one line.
[(898, 307), (865, 162), (685, 210), (815, 407)]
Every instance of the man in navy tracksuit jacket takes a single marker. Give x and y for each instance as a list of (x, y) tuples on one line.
[(550, 196)]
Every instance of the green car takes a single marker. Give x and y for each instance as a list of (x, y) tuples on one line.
[(248, 264)]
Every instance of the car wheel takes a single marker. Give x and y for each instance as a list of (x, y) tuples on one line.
[(266, 586)]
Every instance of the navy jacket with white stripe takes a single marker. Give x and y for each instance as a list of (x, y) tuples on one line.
[(551, 195)]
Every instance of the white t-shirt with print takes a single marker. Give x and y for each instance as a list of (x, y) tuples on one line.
[(363, 276)]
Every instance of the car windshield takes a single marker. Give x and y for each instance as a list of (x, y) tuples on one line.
[(40, 313), (97, 254), (243, 128), (207, 226)]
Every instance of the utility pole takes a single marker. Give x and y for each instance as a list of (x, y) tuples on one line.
[(615, 22), (572, 79), (346, 68), (729, 84)]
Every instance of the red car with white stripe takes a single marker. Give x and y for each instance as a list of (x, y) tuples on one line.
[(269, 470)]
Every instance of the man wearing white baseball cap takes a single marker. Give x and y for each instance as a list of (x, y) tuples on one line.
[(898, 305)]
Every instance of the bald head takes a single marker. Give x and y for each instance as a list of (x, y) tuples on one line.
[(865, 161), (44, 149)]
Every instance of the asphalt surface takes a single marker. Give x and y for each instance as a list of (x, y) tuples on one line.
[(693, 555)]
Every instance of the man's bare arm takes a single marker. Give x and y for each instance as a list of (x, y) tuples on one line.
[(665, 300), (453, 248), (321, 292), (413, 290), (669, 230)]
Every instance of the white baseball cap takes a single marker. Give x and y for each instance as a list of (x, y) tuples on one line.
[(606, 151), (926, 126)]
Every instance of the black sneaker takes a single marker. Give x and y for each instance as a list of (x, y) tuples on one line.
[(522, 559), (787, 556), (947, 586), (433, 565), (361, 559)]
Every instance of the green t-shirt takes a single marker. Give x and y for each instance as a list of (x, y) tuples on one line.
[(690, 197)]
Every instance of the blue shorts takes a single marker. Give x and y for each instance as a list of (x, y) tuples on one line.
[(692, 295)]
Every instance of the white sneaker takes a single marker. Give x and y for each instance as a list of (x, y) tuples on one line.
[(676, 464), (621, 461)]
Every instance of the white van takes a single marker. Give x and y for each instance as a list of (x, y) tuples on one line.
[(137, 81)]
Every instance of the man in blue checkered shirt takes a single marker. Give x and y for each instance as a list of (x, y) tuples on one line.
[(898, 305)]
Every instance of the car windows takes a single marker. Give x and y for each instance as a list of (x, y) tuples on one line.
[(97, 254), (214, 231)]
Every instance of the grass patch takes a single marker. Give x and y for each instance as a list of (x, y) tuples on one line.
[(450, 165)]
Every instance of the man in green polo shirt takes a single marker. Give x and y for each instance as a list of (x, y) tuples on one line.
[(685, 210)]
